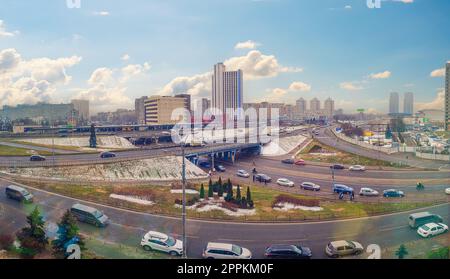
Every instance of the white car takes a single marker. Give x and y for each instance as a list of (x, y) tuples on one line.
[(368, 192), (162, 242), (357, 168), (432, 229), (447, 191), (242, 173), (285, 182), (310, 186), (216, 250)]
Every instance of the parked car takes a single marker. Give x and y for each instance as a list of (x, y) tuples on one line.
[(340, 188), (261, 177), (340, 248), (368, 192), (357, 168), (220, 168), (281, 251), (432, 229), (17, 193), (337, 167), (288, 161), (90, 215), (107, 154), (285, 182), (37, 158), (162, 242), (310, 186), (300, 162), (393, 193), (216, 250), (242, 173), (418, 219)]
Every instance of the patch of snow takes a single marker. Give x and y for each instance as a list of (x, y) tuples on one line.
[(282, 146), (154, 169), (209, 205), (133, 199), (286, 206)]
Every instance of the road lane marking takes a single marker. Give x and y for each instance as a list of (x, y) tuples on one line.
[(392, 228)]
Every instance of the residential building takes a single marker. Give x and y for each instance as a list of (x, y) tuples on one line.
[(329, 107), (394, 103), (408, 103), (41, 113), (314, 106), (300, 106)]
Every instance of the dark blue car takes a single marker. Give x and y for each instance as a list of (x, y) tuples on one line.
[(340, 188), (107, 155), (205, 165)]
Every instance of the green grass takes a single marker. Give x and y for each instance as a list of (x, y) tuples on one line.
[(108, 250), (340, 157), (17, 151), (61, 147), (262, 197)]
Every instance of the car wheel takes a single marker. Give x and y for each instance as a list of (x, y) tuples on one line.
[(173, 253), (357, 252), (147, 248)]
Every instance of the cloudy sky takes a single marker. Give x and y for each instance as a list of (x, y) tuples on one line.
[(111, 52)]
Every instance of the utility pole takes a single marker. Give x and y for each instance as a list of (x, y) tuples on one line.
[(183, 214)]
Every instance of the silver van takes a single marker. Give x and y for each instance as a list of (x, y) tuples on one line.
[(421, 218), (17, 193)]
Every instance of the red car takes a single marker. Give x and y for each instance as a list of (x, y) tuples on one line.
[(300, 162)]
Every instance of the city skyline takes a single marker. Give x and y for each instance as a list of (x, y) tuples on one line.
[(83, 62)]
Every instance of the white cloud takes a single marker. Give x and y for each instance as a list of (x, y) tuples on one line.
[(101, 75), (382, 75), (31, 81), (196, 85), (299, 86), (132, 70), (438, 73), (125, 57), (404, 1), (101, 13), (437, 103), (256, 65), (348, 7), (247, 45), (352, 86), (4, 32)]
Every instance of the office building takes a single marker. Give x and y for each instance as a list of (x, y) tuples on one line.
[(394, 103), (187, 100), (139, 109), (408, 103), (447, 97), (158, 109), (227, 89)]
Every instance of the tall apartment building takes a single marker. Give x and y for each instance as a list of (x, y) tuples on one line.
[(139, 109), (227, 89), (158, 109), (314, 106), (447, 97), (82, 106), (329, 107), (300, 106), (394, 103), (408, 103)]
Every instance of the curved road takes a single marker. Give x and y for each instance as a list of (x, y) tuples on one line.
[(127, 227)]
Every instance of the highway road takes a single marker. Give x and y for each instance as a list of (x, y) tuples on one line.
[(328, 138), (127, 227)]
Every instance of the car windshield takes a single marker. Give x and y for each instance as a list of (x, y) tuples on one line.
[(98, 214), (349, 243), (425, 227), (236, 249), (171, 241)]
